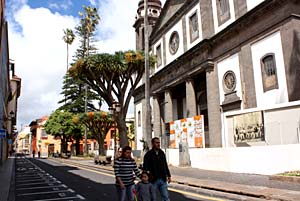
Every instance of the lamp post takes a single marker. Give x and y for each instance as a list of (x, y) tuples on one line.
[(114, 110), (86, 151)]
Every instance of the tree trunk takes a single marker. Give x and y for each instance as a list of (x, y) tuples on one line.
[(77, 145), (101, 145), (122, 131)]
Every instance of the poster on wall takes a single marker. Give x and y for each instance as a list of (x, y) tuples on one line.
[(187, 130), (248, 127)]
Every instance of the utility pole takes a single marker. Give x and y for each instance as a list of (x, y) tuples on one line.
[(148, 127), (85, 129)]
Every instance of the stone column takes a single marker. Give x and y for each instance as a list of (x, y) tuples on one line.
[(213, 106), (156, 117), (168, 106), (191, 108)]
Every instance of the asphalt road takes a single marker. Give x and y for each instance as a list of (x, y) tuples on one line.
[(45, 180)]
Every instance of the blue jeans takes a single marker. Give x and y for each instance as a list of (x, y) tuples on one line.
[(162, 187), (125, 194)]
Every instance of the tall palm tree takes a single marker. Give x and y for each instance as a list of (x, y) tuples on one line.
[(89, 20), (68, 38)]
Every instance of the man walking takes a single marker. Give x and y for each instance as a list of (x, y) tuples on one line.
[(124, 168), (155, 162)]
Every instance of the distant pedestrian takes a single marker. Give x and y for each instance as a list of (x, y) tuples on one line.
[(145, 190), (125, 167), (119, 153), (155, 162)]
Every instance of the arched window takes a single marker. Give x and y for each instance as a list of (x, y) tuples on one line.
[(269, 72), (139, 118)]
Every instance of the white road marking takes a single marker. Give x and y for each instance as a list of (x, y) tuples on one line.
[(65, 198), (44, 192), (40, 187), (171, 189), (80, 197)]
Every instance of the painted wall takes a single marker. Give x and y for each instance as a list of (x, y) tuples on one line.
[(282, 125), (139, 129), (230, 63), (252, 3), (269, 44), (254, 160), (177, 27)]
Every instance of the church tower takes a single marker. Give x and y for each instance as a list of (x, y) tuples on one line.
[(154, 9)]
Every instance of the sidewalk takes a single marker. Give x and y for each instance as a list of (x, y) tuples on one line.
[(260, 186), (7, 180)]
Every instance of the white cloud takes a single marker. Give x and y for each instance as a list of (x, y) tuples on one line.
[(93, 2), (40, 57), (53, 5), (36, 45)]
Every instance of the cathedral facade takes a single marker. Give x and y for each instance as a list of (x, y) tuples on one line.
[(234, 64)]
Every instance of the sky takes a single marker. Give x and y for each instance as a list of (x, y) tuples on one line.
[(35, 31)]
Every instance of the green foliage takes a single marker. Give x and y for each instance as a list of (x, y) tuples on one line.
[(73, 89), (69, 36), (98, 124), (60, 123), (113, 76), (74, 96), (89, 19)]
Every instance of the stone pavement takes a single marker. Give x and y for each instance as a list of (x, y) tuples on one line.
[(7, 180), (259, 186)]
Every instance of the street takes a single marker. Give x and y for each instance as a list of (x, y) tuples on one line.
[(43, 179)]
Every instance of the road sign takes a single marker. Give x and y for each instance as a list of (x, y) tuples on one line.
[(2, 133)]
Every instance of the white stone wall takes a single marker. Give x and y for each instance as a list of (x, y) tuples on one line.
[(139, 129), (230, 63), (177, 27), (281, 125), (266, 160), (253, 3), (269, 44)]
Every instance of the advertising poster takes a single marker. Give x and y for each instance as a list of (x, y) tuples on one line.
[(199, 131), (172, 135), (188, 130)]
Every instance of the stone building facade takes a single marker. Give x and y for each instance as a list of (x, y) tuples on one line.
[(236, 62)]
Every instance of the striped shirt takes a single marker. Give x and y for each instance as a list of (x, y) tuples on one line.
[(124, 168)]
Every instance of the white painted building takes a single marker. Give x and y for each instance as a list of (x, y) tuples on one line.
[(237, 63)]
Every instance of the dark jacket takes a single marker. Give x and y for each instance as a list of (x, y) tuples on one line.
[(155, 162)]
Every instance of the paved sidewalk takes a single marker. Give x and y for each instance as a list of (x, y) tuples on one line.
[(6, 180), (261, 186)]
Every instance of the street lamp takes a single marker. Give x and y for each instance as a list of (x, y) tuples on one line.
[(114, 110)]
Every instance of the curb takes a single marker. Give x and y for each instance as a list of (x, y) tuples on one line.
[(285, 178)]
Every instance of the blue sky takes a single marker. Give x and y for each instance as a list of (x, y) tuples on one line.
[(35, 29), (65, 7)]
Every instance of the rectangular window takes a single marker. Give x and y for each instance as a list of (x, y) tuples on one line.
[(158, 55), (223, 11), (269, 72), (194, 27), (44, 135)]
